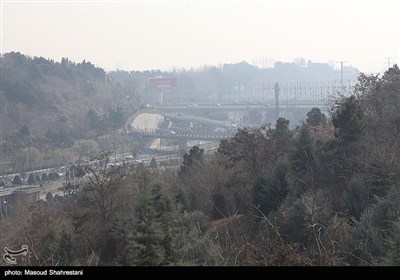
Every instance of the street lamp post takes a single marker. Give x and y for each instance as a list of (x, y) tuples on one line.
[(5, 208), (115, 151), (123, 156)]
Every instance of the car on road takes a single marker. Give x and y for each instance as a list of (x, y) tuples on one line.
[(180, 114)]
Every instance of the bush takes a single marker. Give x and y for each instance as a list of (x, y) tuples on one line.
[(17, 180), (31, 179), (49, 196), (52, 176), (44, 177), (37, 179)]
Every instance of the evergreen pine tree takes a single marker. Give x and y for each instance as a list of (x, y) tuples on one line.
[(304, 161), (153, 163), (315, 117), (31, 179), (269, 191), (147, 237), (349, 121)]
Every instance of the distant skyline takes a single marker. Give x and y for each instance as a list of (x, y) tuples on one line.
[(145, 35)]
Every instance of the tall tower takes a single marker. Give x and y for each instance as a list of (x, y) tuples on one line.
[(276, 90)]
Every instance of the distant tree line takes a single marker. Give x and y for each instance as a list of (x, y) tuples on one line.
[(47, 104)]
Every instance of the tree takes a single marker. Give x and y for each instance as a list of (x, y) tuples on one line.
[(49, 196), (51, 176), (153, 163), (37, 179), (163, 235), (394, 70), (270, 190), (192, 159), (282, 136), (31, 179), (44, 177), (94, 120), (380, 99), (22, 159), (251, 149), (282, 126), (17, 180), (342, 154), (193, 240), (101, 198), (357, 196), (300, 218), (146, 243), (304, 154), (316, 117), (102, 188), (24, 131), (304, 161), (349, 121), (392, 257)]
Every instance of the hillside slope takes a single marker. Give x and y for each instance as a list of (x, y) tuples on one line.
[(53, 98)]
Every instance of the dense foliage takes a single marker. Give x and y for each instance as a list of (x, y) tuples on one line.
[(320, 194), (48, 104)]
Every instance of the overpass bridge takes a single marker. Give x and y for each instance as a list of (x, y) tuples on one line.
[(207, 136), (205, 121), (183, 137), (231, 107), (174, 113), (182, 117)]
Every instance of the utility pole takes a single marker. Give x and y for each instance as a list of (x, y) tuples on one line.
[(123, 156), (341, 76), (29, 154), (115, 150), (388, 63), (341, 70), (73, 176), (276, 90)]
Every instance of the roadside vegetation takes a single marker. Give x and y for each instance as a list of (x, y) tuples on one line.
[(326, 193)]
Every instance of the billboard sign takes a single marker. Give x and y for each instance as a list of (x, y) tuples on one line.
[(162, 83)]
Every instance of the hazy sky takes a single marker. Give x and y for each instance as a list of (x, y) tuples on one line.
[(139, 35)]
